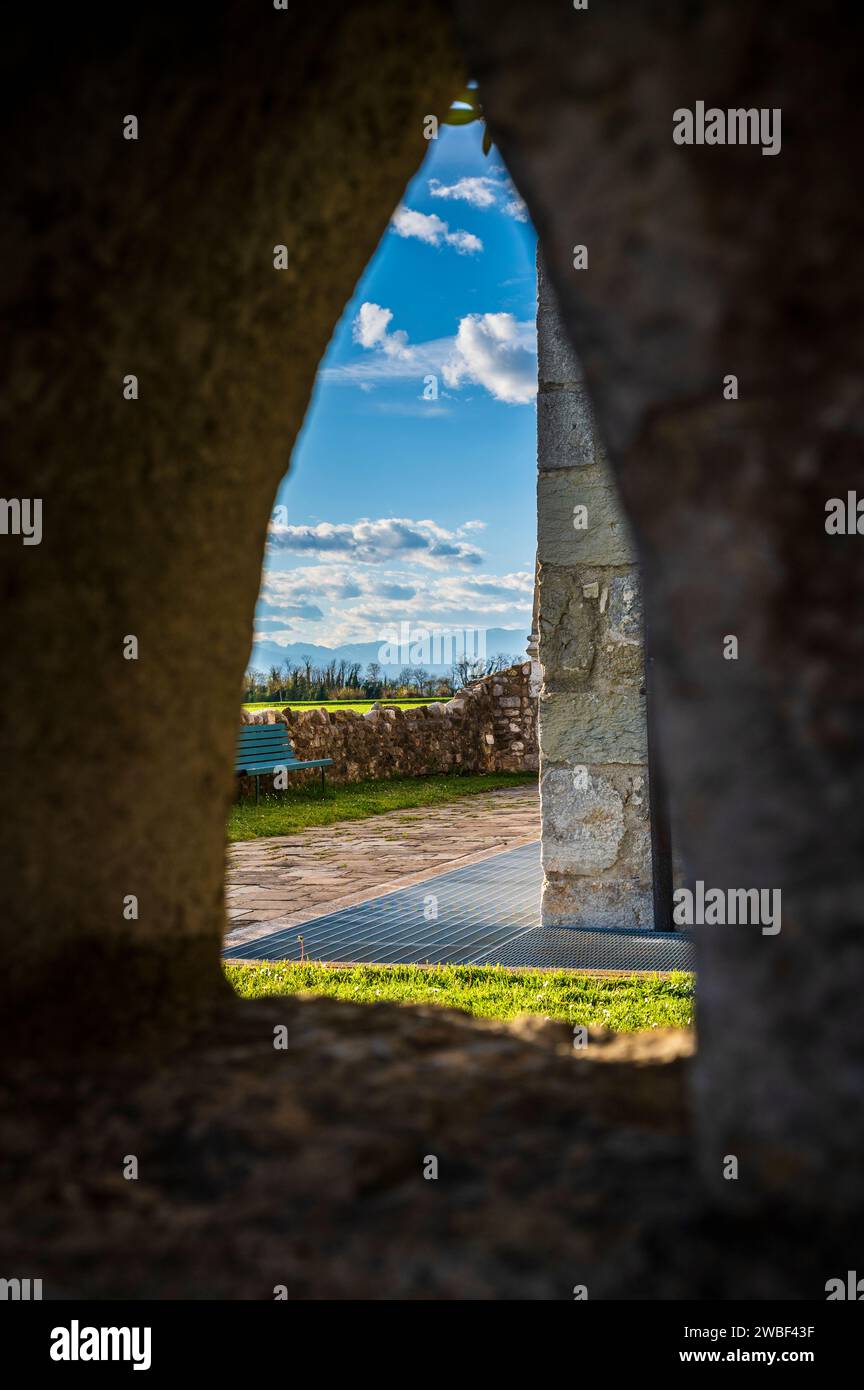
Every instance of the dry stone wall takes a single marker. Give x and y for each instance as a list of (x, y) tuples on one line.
[(489, 727)]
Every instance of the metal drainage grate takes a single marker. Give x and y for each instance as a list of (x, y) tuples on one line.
[(570, 948), (451, 917), (485, 913)]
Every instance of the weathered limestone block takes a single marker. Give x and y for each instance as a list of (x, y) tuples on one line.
[(598, 902), (625, 610), (568, 625), (583, 824), (565, 429), (616, 601), (557, 363), (593, 726), (623, 785), (561, 538)]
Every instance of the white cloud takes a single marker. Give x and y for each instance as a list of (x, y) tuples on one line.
[(516, 208), (496, 352), (377, 542), (280, 636), (372, 329), (394, 357), (370, 325), (480, 192), (358, 601), (423, 226), (483, 191), (326, 582), (466, 243)]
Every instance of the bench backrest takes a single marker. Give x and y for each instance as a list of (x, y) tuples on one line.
[(259, 744)]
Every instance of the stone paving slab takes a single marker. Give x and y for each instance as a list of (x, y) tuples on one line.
[(281, 881)]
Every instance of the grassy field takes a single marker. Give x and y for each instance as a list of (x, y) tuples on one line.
[(292, 810), (361, 706), (625, 1004)]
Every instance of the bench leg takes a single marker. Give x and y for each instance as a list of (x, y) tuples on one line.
[(257, 789), (323, 786)]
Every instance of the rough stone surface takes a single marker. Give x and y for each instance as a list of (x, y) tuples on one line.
[(605, 539), (597, 900), (589, 617), (583, 825), (303, 1167), (556, 362), (625, 610), (482, 731), (314, 1156), (706, 261), (565, 429), (703, 260), (593, 726), (569, 623), (608, 819), (257, 128)]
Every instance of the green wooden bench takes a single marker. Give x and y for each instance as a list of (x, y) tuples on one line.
[(264, 749)]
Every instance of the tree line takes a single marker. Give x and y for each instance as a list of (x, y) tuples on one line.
[(347, 680)]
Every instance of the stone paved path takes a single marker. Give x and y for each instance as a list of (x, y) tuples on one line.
[(287, 879)]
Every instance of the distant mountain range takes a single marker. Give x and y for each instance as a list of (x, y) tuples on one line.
[(510, 641)]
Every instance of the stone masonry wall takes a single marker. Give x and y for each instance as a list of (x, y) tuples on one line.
[(592, 726), (489, 727)]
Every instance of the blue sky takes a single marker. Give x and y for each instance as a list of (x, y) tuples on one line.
[(411, 499)]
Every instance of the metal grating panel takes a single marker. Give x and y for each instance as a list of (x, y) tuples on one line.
[(569, 948), (478, 908), (486, 913)]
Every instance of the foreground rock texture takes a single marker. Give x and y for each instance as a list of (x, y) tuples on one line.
[(258, 128), (303, 1168), (491, 726), (263, 128), (704, 262)]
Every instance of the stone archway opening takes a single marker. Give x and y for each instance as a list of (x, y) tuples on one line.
[(403, 535), (152, 256)]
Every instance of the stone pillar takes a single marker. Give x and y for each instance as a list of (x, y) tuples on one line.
[(593, 749), (535, 680)]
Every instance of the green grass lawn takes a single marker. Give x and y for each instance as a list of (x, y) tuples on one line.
[(624, 1004), (361, 706), (284, 813)]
